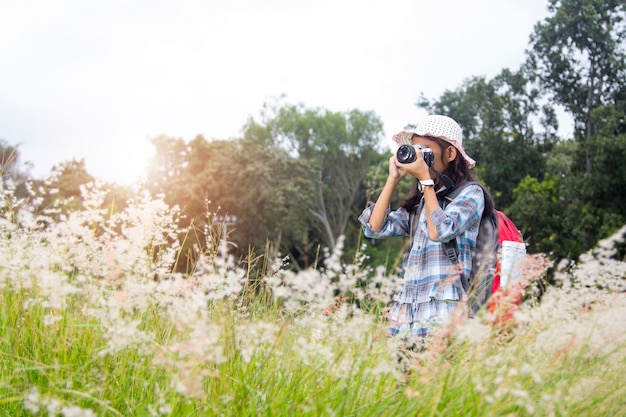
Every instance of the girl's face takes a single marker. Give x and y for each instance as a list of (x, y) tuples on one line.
[(442, 156)]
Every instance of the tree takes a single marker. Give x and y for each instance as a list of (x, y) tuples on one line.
[(504, 127), (557, 211), (60, 192), (339, 146), (599, 197), (165, 171), (538, 212), (248, 179), (579, 56), (63, 184)]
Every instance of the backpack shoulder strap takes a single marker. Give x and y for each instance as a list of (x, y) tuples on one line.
[(451, 247), (454, 192), (489, 205)]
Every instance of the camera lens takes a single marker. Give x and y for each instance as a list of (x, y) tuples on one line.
[(406, 154)]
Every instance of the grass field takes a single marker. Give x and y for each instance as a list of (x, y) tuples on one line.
[(93, 324)]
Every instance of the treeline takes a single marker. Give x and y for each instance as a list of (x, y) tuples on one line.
[(298, 178)]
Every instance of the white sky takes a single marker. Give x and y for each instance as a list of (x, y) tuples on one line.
[(98, 79)]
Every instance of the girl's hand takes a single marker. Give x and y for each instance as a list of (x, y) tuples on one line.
[(417, 168), (396, 170)]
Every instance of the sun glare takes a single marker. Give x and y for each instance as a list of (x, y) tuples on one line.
[(124, 165)]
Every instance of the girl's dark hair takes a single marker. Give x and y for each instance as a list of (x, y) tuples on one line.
[(457, 170)]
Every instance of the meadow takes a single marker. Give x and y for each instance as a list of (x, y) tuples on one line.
[(94, 323)]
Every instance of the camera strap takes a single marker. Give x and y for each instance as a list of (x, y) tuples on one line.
[(446, 181)]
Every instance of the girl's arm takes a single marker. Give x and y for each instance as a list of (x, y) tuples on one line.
[(421, 171), (379, 213), (432, 203)]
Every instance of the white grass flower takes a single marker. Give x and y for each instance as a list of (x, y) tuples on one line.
[(123, 334), (116, 269), (306, 290), (582, 388), (313, 353), (475, 332), (383, 288), (32, 400), (52, 405), (586, 309), (527, 369), (76, 411), (49, 319), (255, 339)]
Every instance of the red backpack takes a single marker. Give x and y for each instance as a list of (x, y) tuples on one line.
[(504, 300)]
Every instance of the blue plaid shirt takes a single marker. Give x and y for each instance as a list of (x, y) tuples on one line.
[(432, 288)]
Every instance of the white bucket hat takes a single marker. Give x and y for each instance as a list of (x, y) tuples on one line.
[(438, 126)]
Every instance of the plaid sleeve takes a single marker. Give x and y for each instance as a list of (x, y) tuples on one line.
[(460, 215), (396, 223)]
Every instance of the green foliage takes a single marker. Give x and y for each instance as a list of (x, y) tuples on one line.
[(538, 208), (601, 188), (340, 147), (257, 183), (499, 132), (68, 177), (592, 177), (299, 177), (568, 203), (60, 192), (564, 197), (385, 252), (295, 180), (579, 56)]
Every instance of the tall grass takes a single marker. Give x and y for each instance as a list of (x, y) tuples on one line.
[(93, 323)]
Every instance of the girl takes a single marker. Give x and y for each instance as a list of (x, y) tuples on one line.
[(432, 292)]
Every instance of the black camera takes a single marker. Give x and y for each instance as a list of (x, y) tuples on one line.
[(407, 154)]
